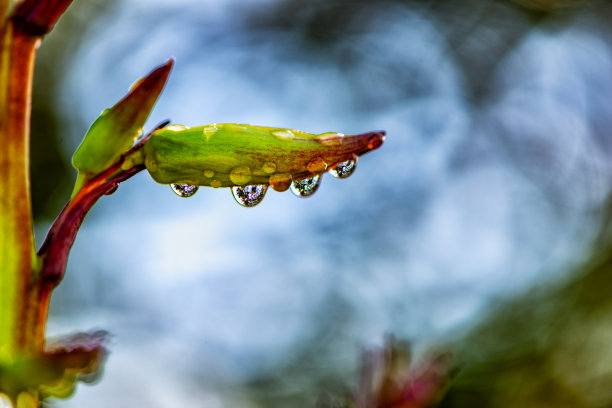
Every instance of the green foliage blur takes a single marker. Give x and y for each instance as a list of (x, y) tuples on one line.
[(547, 348)]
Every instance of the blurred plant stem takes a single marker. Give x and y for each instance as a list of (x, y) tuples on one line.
[(21, 326), (17, 245), (23, 305)]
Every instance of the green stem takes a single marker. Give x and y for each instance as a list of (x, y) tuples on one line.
[(21, 327), (24, 299), (23, 308), (17, 252)]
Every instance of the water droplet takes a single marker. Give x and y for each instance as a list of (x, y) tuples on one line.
[(184, 190), (376, 141), (317, 165), (249, 196), (131, 88), (240, 175), (215, 183), (112, 190), (269, 168), (176, 128), (209, 173), (284, 134), (344, 169), (331, 138), (210, 131), (306, 187), (280, 182)]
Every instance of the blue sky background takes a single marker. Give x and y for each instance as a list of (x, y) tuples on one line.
[(489, 183)]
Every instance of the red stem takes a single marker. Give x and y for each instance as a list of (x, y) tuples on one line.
[(54, 250), (61, 236), (37, 17)]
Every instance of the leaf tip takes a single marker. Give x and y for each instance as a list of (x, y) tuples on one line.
[(377, 139)]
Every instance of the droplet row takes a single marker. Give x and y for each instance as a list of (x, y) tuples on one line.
[(252, 194)]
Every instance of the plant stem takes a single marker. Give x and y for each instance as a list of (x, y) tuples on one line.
[(18, 327), (22, 316), (21, 326)]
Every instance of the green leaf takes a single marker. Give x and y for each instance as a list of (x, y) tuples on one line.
[(227, 155), (113, 133)]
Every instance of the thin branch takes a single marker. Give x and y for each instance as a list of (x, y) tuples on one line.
[(54, 250)]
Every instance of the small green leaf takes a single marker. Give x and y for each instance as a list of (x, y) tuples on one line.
[(227, 155), (115, 130)]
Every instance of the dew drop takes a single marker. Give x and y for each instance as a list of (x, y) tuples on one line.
[(176, 128), (215, 183), (209, 173), (184, 190), (306, 187), (112, 190), (344, 169), (269, 168), (331, 138), (317, 165), (210, 131), (249, 196), (280, 182), (283, 134), (240, 175)]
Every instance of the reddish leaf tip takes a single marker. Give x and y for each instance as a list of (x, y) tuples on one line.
[(377, 139)]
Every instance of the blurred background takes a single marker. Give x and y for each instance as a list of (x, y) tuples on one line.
[(479, 227)]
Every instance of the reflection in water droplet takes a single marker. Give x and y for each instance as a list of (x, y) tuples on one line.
[(331, 138), (317, 165), (344, 169), (284, 134), (249, 196), (269, 168), (176, 128), (240, 175), (209, 173), (210, 131), (184, 190), (215, 183), (306, 187), (131, 88), (280, 182)]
